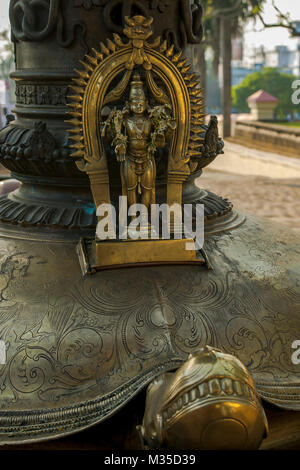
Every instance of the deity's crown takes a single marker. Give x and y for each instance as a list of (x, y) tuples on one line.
[(137, 88)]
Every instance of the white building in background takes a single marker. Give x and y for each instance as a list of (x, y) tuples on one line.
[(239, 68), (285, 59), (248, 60)]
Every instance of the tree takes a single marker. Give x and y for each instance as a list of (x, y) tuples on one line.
[(6, 59), (283, 21), (271, 80), (6, 54), (213, 90), (222, 21)]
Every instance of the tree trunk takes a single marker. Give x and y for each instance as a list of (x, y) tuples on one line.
[(226, 89), (203, 73)]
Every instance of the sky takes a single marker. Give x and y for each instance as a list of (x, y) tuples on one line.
[(274, 36), (269, 38), (4, 22)]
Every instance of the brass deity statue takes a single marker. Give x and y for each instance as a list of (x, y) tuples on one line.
[(136, 133), (164, 111)]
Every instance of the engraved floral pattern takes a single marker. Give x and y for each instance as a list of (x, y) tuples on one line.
[(79, 348)]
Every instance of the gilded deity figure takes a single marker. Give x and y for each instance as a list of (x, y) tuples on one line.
[(135, 134)]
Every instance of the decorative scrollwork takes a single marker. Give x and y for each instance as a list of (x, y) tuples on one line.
[(52, 95), (72, 217), (192, 20), (24, 15), (188, 26), (27, 23), (32, 365), (160, 5)]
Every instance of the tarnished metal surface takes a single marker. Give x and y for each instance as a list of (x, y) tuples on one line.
[(80, 348)]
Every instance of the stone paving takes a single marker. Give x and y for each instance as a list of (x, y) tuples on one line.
[(277, 199), (244, 160)]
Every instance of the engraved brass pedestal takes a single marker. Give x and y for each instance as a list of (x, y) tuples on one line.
[(95, 255), (78, 349)]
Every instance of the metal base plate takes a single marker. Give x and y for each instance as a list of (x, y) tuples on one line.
[(97, 255)]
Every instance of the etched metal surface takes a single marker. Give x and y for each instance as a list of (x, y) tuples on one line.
[(80, 348)]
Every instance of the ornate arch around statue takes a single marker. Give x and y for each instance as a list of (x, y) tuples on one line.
[(92, 92)]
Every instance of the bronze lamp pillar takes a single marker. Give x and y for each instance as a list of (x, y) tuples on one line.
[(210, 332)]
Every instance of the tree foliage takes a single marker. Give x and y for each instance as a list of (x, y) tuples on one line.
[(6, 55), (239, 11), (284, 20), (271, 80), (7, 61)]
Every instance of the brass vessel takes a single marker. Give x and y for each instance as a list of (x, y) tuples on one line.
[(209, 403)]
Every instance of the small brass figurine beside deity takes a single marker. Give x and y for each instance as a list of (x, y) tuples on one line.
[(135, 133)]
